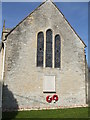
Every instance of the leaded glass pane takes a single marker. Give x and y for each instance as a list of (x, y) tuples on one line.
[(40, 49), (49, 48), (57, 51)]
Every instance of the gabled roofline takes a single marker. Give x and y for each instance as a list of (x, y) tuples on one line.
[(58, 10), (69, 24), (25, 18)]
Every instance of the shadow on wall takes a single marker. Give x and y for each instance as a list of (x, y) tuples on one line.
[(89, 92), (9, 104), (0, 100), (1, 46), (89, 86), (87, 83)]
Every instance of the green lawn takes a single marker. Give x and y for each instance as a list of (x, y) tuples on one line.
[(59, 113)]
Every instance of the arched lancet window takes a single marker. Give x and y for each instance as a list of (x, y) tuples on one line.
[(40, 49), (49, 48), (57, 51)]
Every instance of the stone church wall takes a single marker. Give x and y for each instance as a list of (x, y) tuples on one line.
[(0, 83), (25, 80)]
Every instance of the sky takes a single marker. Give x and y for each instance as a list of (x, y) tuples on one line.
[(75, 12)]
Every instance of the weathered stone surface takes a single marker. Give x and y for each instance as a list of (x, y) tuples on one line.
[(0, 100), (22, 76)]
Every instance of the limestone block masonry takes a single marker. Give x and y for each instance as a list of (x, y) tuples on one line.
[(23, 80)]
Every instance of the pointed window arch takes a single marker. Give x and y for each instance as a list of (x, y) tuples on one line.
[(57, 51), (40, 49), (49, 48)]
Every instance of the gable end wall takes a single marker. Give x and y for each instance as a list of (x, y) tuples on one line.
[(25, 80)]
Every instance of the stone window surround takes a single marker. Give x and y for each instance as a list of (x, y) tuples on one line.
[(53, 48)]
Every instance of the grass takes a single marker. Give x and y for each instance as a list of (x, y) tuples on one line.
[(59, 113)]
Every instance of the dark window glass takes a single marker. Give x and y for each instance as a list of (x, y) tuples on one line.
[(57, 51), (49, 48), (40, 49)]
